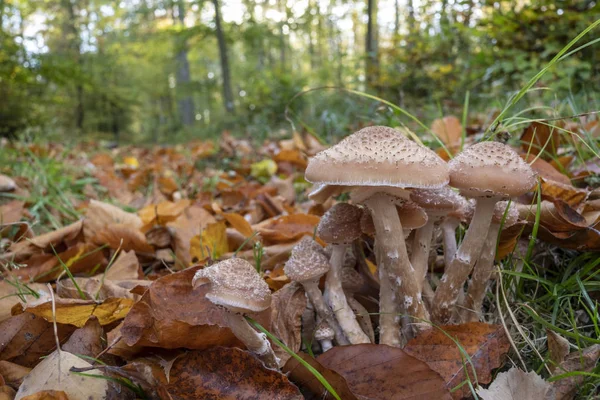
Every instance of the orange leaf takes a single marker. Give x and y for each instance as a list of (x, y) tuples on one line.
[(288, 227), (538, 136), (448, 129), (239, 223), (211, 243), (162, 213)]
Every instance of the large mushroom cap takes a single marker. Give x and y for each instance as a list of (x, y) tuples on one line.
[(307, 261), (491, 169), (444, 200), (321, 192), (378, 156), (235, 285), (340, 224)]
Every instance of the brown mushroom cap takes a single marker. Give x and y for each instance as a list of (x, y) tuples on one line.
[(340, 224), (235, 285), (443, 200), (307, 261), (491, 169), (324, 331), (378, 156), (512, 216)]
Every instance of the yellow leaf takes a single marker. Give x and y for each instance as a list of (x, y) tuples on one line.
[(239, 223), (131, 162), (263, 169), (372, 267), (212, 242)]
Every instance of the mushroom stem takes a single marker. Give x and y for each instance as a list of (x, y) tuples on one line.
[(335, 297), (323, 311), (420, 251), (481, 275), (457, 272), (449, 238), (255, 342), (392, 256), (389, 313), (326, 344)]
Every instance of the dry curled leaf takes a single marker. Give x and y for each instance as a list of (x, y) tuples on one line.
[(99, 215), (211, 243), (380, 372), (485, 344), (287, 227), (540, 137), (44, 243), (239, 223), (87, 340), (227, 374), (162, 213), (558, 347), (516, 384), (585, 361), (287, 306), (448, 130), (190, 223)]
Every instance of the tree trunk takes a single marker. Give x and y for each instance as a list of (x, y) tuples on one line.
[(396, 32), (186, 102), (371, 70), (282, 55), (227, 93), (74, 47)]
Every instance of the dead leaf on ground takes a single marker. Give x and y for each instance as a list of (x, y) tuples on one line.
[(448, 130), (99, 215), (13, 374), (44, 243), (47, 395), (567, 193), (122, 236), (516, 384), (287, 227), (8, 295), (87, 340), (558, 347), (190, 223), (485, 344), (311, 387), (162, 213), (77, 312), (211, 243), (171, 314), (99, 288), (11, 212), (24, 338), (226, 373), (239, 223), (52, 373), (126, 266), (545, 169), (538, 136), (585, 361), (287, 306)]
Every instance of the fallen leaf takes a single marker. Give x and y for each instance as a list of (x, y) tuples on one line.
[(567, 193), (308, 383), (24, 338), (7, 393), (485, 344), (13, 374), (44, 243), (287, 306), (558, 347), (545, 169), (99, 288), (122, 236), (211, 243), (239, 223), (448, 129), (171, 314), (287, 227), (77, 312), (47, 395), (162, 213), (226, 373), (9, 297), (52, 373), (126, 266), (538, 136), (292, 156), (100, 215), (263, 169), (87, 340), (7, 184), (585, 361), (189, 224), (11, 212), (516, 384), (383, 372)]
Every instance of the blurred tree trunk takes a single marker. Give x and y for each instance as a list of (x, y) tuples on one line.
[(186, 102), (74, 46), (282, 56), (396, 33), (225, 72), (372, 67)]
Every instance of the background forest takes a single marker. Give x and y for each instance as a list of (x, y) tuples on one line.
[(164, 70)]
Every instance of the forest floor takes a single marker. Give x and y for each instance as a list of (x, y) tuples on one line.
[(98, 249)]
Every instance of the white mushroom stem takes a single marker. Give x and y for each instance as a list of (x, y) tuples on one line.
[(335, 297), (420, 251), (389, 313), (457, 272), (482, 273), (392, 256), (326, 344), (254, 341), (449, 238), (323, 311)]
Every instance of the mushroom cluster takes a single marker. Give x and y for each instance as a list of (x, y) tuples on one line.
[(403, 196)]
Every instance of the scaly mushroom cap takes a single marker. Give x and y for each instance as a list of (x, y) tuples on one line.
[(378, 156), (491, 169), (324, 331), (444, 200), (235, 285), (307, 261), (340, 224), (512, 216)]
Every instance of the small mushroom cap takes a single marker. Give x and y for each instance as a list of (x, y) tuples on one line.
[(442, 201), (411, 217), (490, 169), (352, 281), (321, 192), (512, 215), (324, 331), (378, 156), (235, 285), (307, 261), (340, 224)]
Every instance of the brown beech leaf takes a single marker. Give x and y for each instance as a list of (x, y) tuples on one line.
[(287, 227), (546, 170), (44, 243), (292, 156), (485, 344), (126, 266), (567, 193), (11, 212), (555, 216), (123, 236), (13, 374), (226, 373), (77, 312), (87, 340), (98, 288), (538, 136), (190, 223), (558, 347), (171, 314), (383, 372), (239, 223), (516, 384), (287, 306), (99, 215), (8, 296), (47, 395), (448, 129), (585, 361), (508, 240), (162, 213), (24, 338), (311, 387)]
